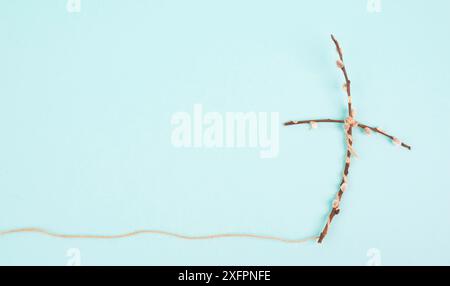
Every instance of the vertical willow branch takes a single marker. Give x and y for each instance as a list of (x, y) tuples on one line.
[(349, 124)]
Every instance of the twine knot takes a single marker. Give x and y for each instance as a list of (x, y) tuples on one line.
[(350, 121)]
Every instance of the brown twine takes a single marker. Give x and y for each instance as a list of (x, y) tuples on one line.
[(155, 232)]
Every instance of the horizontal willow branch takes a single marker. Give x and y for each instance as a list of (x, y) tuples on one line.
[(360, 125)]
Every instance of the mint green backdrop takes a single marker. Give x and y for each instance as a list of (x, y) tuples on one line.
[(85, 105)]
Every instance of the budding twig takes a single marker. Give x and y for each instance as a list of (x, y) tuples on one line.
[(349, 123)]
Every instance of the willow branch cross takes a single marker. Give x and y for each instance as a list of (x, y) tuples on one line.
[(349, 123)]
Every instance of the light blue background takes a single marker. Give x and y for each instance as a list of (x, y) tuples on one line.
[(85, 106)]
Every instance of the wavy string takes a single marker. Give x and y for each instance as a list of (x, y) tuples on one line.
[(154, 232)]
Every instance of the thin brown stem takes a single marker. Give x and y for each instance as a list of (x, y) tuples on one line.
[(344, 71), (314, 120)]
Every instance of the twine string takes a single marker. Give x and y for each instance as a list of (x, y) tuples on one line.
[(154, 232)]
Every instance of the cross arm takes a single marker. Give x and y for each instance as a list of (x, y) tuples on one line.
[(379, 131), (365, 127), (312, 121)]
